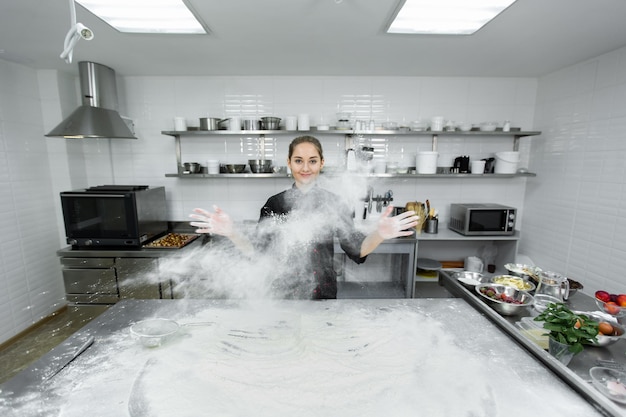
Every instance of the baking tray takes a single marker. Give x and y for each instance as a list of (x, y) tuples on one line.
[(172, 241)]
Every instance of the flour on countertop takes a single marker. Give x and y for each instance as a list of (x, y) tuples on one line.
[(342, 360)]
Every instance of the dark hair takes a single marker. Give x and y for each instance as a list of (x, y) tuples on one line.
[(306, 139)]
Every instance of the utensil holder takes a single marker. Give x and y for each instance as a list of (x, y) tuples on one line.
[(432, 226)]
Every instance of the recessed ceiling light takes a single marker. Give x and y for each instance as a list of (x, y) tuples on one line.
[(146, 16), (445, 17)]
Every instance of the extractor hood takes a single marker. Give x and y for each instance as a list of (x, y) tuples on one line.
[(98, 116)]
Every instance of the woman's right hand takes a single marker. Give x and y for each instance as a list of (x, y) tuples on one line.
[(218, 222)]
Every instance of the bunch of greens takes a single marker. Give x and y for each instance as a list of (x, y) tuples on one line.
[(568, 327)]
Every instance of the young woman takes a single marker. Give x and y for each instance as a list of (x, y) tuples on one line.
[(297, 227)]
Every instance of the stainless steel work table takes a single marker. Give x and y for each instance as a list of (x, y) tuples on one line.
[(576, 373), (404, 357)]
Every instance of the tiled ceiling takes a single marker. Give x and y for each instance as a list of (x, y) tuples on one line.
[(320, 37)]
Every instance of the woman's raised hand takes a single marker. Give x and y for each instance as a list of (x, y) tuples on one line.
[(218, 222), (396, 226)]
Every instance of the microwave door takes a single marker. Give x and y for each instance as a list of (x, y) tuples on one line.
[(487, 220)]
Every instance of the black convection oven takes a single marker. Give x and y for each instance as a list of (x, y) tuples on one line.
[(114, 215)]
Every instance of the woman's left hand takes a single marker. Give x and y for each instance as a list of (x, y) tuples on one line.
[(396, 226)]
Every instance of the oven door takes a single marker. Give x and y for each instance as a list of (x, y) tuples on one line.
[(100, 219)]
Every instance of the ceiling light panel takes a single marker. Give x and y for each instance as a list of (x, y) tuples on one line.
[(146, 16), (445, 17)]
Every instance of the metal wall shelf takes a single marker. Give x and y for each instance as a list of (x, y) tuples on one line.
[(514, 133), (348, 133), (270, 175)]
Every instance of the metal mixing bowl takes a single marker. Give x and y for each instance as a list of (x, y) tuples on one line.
[(514, 281), (235, 168), (524, 271), (470, 279), (502, 307), (259, 166)]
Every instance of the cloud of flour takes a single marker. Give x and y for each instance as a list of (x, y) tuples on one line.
[(280, 270)]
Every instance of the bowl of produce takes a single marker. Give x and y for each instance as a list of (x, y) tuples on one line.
[(608, 332), (506, 300), (513, 281), (527, 272), (154, 332), (235, 168), (613, 304), (610, 382), (469, 279)]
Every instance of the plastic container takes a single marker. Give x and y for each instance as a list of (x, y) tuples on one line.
[(426, 162), (534, 331), (506, 162), (478, 167)]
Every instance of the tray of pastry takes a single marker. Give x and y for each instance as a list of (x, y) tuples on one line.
[(172, 241)]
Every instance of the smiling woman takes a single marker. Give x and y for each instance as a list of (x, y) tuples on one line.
[(297, 228)]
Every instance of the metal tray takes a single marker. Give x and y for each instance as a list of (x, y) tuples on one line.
[(172, 241)]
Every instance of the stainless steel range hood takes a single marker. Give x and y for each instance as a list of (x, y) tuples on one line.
[(98, 116)]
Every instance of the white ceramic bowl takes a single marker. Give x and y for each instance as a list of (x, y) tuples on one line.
[(488, 127)]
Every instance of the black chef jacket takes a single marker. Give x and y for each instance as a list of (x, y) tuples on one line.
[(299, 229)]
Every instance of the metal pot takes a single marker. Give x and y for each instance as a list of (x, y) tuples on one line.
[(270, 123), (251, 124), (224, 124), (209, 123), (192, 167)]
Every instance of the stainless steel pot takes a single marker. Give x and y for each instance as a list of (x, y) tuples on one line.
[(223, 124), (270, 123), (251, 124), (209, 123), (192, 167)]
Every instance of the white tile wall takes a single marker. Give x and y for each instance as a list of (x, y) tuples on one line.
[(574, 209), (153, 102), (30, 278)]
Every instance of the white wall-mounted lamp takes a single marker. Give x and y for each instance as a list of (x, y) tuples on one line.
[(76, 32)]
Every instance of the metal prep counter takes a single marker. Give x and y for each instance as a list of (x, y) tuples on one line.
[(283, 358), (576, 373)]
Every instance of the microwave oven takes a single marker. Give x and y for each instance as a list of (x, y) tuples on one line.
[(475, 219), (114, 215)]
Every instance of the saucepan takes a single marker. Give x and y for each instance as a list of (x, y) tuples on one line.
[(209, 123), (154, 332), (270, 123)]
